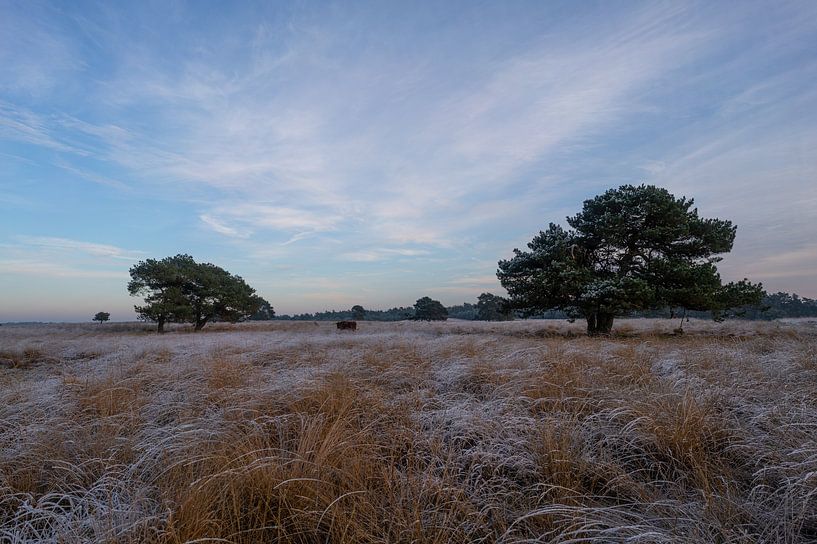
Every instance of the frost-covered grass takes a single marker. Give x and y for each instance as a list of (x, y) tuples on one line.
[(409, 432)]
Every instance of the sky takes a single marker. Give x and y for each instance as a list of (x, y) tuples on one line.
[(372, 153)]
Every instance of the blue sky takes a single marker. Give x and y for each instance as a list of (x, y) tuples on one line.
[(371, 153)]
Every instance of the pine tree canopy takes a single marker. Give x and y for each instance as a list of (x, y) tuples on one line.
[(631, 248)]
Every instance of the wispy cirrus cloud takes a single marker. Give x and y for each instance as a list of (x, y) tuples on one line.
[(78, 271), (332, 163), (50, 269), (89, 248), (241, 220), (23, 125), (379, 254), (219, 227)]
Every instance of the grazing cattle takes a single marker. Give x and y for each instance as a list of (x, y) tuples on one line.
[(346, 325)]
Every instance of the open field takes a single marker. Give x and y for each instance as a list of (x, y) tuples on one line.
[(409, 432)]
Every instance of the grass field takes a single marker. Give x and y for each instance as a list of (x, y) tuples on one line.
[(409, 432)]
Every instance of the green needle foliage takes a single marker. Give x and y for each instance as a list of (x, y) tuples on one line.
[(102, 317), (491, 307), (427, 309), (178, 289), (358, 312), (631, 248)]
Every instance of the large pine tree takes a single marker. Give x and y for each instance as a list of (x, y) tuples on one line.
[(631, 248)]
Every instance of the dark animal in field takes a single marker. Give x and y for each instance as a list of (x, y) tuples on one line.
[(346, 325)]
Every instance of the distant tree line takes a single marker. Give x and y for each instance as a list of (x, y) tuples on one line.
[(496, 308), (489, 307), (777, 305), (392, 314), (771, 306)]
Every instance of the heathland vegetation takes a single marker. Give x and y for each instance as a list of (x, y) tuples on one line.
[(420, 432)]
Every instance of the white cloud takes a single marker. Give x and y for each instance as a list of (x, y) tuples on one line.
[(380, 254), (241, 220), (21, 124), (323, 162), (90, 248), (56, 270), (221, 228)]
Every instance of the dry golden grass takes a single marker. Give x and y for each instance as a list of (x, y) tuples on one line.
[(409, 432)]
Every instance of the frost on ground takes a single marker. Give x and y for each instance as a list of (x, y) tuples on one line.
[(409, 432)]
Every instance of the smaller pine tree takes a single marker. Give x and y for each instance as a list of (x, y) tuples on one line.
[(102, 316), (426, 309)]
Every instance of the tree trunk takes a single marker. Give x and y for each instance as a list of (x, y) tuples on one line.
[(161, 328), (599, 323), (680, 329), (200, 323)]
